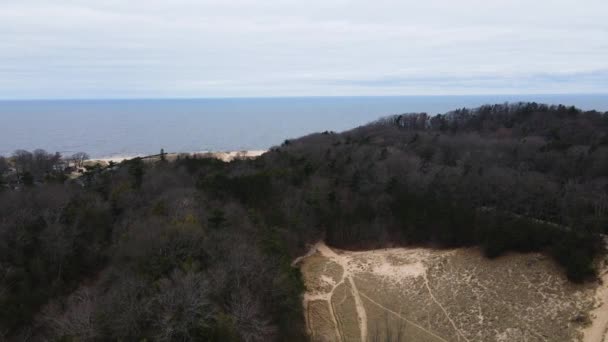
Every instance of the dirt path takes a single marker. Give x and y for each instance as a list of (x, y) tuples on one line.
[(403, 318), (517, 297), (347, 275), (596, 332), (349, 271), (327, 298), (459, 333)]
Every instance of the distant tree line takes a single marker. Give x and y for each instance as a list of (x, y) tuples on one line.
[(199, 249), (25, 167)]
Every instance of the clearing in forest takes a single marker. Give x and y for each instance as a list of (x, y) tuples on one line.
[(416, 294)]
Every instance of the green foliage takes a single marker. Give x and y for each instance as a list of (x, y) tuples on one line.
[(136, 171), (287, 285), (155, 249), (577, 253), (252, 189), (217, 219), (202, 165)]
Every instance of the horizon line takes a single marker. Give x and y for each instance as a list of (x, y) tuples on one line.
[(170, 98)]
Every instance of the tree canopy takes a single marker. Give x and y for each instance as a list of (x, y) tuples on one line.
[(199, 249)]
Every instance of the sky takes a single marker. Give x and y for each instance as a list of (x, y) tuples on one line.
[(252, 48)]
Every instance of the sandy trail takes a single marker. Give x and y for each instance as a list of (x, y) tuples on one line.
[(517, 297), (403, 318), (381, 267), (225, 156), (596, 332), (459, 333), (347, 275), (327, 298)]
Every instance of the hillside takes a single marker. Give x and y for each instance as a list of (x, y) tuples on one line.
[(425, 294), (200, 249)]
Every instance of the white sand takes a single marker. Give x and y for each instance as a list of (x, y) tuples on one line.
[(347, 275), (115, 159), (409, 270), (394, 265), (232, 155), (224, 156)]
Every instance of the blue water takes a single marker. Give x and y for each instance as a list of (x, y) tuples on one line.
[(105, 128)]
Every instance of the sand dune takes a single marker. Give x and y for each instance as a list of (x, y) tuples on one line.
[(446, 295), (226, 156)]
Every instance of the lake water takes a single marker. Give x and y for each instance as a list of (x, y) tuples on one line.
[(109, 128)]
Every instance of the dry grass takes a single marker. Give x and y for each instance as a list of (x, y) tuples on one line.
[(431, 295)]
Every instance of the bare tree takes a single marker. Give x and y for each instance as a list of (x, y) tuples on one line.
[(181, 307), (59, 244), (3, 165), (79, 158), (123, 310), (249, 319), (23, 160), (44, 163), (77, 320)]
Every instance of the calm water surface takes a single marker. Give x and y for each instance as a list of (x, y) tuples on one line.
[(106, 128)]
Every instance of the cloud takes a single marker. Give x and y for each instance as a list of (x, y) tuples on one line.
[(188, 48)]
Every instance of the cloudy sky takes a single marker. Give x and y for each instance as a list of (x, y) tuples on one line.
[(218, 48)]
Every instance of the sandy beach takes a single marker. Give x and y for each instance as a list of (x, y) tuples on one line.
[(226, 156)]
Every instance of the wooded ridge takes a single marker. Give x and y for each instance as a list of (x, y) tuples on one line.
[(200, 249)]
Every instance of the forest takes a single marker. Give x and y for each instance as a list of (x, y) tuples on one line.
[(200, 249)]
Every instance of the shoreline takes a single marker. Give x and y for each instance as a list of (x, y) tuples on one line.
[(225, 156)]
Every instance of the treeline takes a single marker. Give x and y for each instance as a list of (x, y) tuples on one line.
[(199, 249), (26, 168), (141, 253), (544, 162)]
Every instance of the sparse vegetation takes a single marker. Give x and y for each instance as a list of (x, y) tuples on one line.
[(425, 294)]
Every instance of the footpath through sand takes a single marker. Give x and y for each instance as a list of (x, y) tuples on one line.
[(380, 267), (446, 295)]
